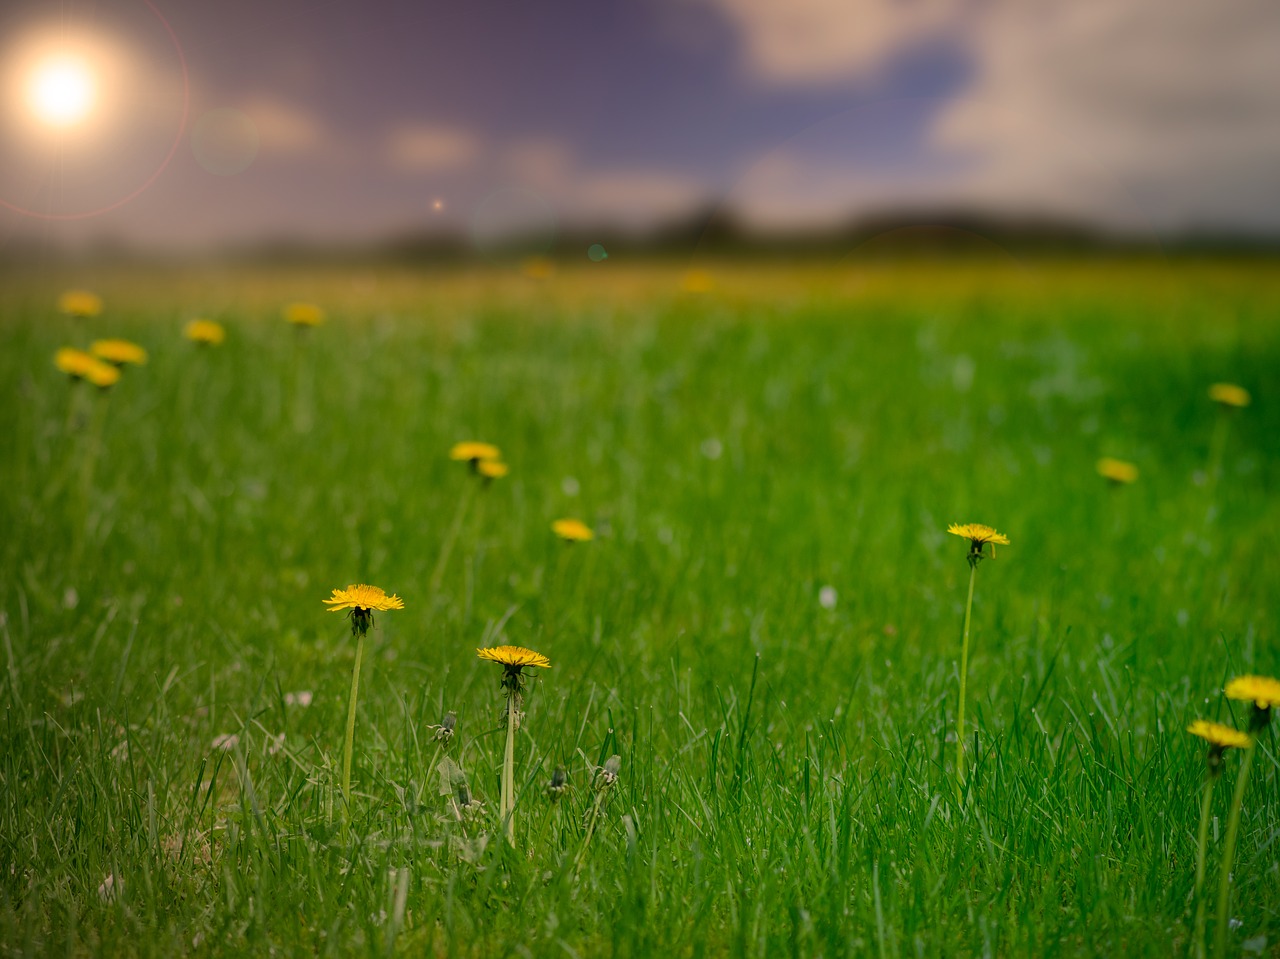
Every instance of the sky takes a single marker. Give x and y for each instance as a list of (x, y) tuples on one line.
[(334, 121)]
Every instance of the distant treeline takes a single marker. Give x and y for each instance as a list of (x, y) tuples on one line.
[(711, 232)]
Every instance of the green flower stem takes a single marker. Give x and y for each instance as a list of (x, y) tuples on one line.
[(1229, 854), (591, 829), (446, 548), (1206, 805), (351, 720), (964, 682), (507, 808)]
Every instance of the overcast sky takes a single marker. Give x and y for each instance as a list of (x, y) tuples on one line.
[(344, 120)]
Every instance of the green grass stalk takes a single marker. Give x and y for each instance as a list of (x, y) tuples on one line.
[(507, 802), (451, 537)]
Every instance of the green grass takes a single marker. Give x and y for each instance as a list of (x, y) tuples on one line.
[(786, 781)]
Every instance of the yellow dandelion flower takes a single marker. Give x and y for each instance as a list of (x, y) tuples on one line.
[(80, 303), (698, 281), (474, 453), (102, 375), (75, 363), (573, 530), (1216, 734), (363, 597), (514, 658), (538, 268), (119, 352), (1228, 394), (304, 314), (1117, 471), (1262, 691), (492, 469), (207, 332), (978, 535)]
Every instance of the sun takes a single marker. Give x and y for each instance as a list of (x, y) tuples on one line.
[(61, 91)]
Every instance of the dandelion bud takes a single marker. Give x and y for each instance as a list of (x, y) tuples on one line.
[(444, 732), (559, 784), (607, 775)]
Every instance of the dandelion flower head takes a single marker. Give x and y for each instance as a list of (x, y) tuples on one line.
[(102, 375), (514, 658), (1228, 394), (474, 452), (205, 331), (119, 352), (74, 362), (977, 533), (80, 303), (362, 597), (304, 314), (573, 530), (1216, 734), (1117, 471), (1262, 691), (492, 469)]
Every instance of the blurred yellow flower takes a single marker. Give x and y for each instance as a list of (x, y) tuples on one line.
[(205, 331), (698, 281), (1262, 691), (1224, 737), (572, 530), (538, 268), (492, 469), (474, 453), (80, 303), (74, 362), (514, 658), (1228, 394), (119, 352), (304, 314), (102, 375), (363, 597), (1117, 471)]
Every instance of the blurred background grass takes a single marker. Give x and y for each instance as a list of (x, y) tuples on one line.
[(787, 427)]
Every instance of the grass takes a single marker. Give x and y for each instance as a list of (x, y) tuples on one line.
[(787, 784)]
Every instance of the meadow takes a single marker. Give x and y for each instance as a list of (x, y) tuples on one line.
[(765, 629)]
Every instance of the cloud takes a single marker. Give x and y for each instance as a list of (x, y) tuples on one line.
[(804, 42), (629, 197), (419, 148), (285, 127), (1156, 114)]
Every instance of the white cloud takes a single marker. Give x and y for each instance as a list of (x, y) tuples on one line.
[(420, 148), (799, 42), (1146, 113), (285, 127)]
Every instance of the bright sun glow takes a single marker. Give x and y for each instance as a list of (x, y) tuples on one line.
[(61, 91)]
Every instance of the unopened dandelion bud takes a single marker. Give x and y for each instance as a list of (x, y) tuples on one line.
[(608, 773), (464, 794), (559, 784), (444, 732)]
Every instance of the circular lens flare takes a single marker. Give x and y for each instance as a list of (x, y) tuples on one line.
[(61, 91)]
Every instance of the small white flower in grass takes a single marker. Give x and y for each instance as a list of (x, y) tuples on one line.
[(712, 448), (827, 597), (226, 742), (301, 698), (570, 486), (110, 887), (277, 744)]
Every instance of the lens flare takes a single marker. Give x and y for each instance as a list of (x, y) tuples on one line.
[(61, 91)]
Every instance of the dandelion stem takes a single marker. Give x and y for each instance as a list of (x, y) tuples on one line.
[(1229, 852), (351, 720), (446, 548), (591, 829), (964, 682), (1206, 805), (508, 788)]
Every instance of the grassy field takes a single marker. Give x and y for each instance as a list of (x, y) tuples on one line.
[(766, 629)]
